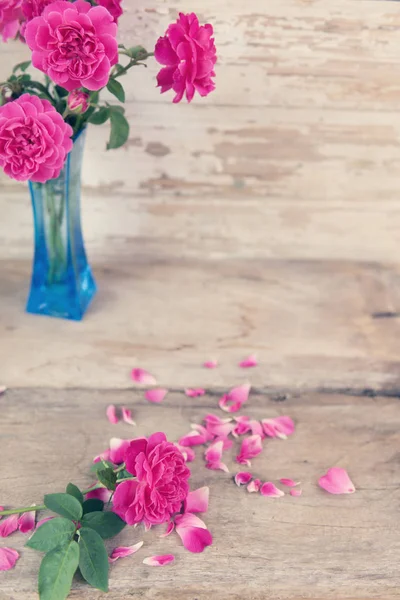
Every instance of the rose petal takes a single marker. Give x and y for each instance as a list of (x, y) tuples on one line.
[(2, 389), (143, 377), (233, 400), (336, 481), (296, 492), (194, 392), (243, 478), (279, 427), (213, 456), (289, 482), (210, 364), (169, 530), (123, 551), (8, 558), (127, 415), (26, 522), (118, 448), (103, 456), (270, 490), (254, 486), (111, 414), (8, 525), (193, 532), (197, 501), (227, 444), (156, 395), (251, 447), (250, 361), (159, 561), (100, 494), (39, 523), (1, 508), (199, 436), (218, 427), (187, 453)]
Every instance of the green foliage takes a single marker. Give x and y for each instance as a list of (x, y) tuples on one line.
[(65, 505), (57, 570), (93, 559), (52, 534), (119, 131), (116, 89), (22, 66), (92, 505), (74, 491), (108, 478), (107, 524), (102, 464), (100, 116)]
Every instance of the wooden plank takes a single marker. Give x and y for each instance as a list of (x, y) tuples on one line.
[(317, 546)]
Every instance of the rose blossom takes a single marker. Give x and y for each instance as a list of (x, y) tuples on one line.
[(78, 101), (74, 44), (161, 485), (10, 13), (32, 9), (113, 7), (188, 51), (34, 139)]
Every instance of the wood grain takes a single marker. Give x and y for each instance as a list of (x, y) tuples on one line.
[(317, 546)]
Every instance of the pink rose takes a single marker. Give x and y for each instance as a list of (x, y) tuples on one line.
[(78, 101), (32, 9), (10, 13), (113, 7), (161, 485), (74, 43), (34, 139), (188, 51)]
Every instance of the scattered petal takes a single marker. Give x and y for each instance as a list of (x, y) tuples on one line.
[(242, 426), (279, 427), (250, 361), (256, 428), (197, 501), (26, 522), (112, 414), (213, 456), (1, 508), (336, 481), (296, 492), (218, 427), (187, 453), (8, 558), (254, 486), (210, 364), (159, 561), (289, 482), (156, 395), (233, 400), (103, 456), (194, 392), (123, 551), (2, 389), (8, 525), (127, 415), (193, 532), (117, 451), (100, 494), (39, 523), (243, 478), (226, 443), (198, 436), (143, 377), (251, 447), (270, 490), (169, 530)]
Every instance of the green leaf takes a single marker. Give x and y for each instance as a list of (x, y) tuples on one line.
[(24, 78), (57, 570), (92, 505), (52, 534), (74, 491), (119, 109), (107, 524), (65, 505), (100, 117), (116, 89), (62, 92), (119, 130), (108, 478), (94, 97), (93, 559), (22, 66), (37, 86), (124, 474), (102, 464)]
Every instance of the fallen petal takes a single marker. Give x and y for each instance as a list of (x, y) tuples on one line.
[(156, 395), (227, 444), (26, 522), (254, 486), (250, 361), (8, 525), (8, 558), (100, 494), (233, 401), (197, 501), (193, 532), (270, 490), (123, 551), (296, 492), (336, 481), (117, 451), (289, 482), (143, 377), (169, 530), (39, 523), (279, 427), (159, 561), (127, 416), (2, 389), (219, 427), (251, 447), (243, 478), (112, 414), (214, 452), (217, 466), (256, 428), (103, 456), (198, 436), (1, 508), (194, 392), (187, 453), (210, 364)]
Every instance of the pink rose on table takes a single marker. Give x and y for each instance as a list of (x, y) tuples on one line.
[(10, 13), (34, 139), (188, 52), (113, 6), (161, 485), (74, 44), (78, 101)]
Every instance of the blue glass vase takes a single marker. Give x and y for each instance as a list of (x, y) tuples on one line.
[(62, 283)]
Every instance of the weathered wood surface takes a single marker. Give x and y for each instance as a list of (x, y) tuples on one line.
[(317, 546)]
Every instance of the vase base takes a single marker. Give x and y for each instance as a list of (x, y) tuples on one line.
[(69, 300)]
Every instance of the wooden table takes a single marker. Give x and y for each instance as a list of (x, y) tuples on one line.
[(264, 219)]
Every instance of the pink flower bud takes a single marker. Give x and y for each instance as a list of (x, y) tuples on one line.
[(78, 101)]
